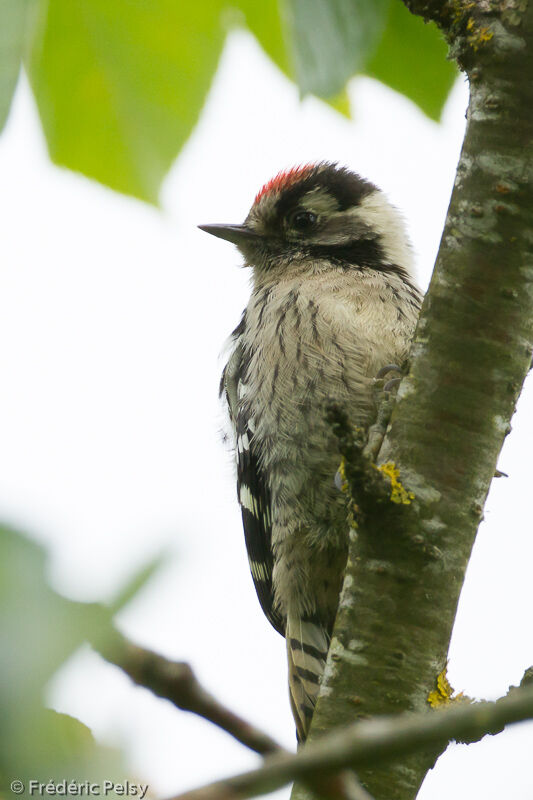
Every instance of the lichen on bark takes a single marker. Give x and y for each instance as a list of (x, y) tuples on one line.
[(471, 352)]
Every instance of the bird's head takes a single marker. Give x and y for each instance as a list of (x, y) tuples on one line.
[(317, 215)]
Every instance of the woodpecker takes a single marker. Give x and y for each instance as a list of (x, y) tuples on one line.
[(333, 300)]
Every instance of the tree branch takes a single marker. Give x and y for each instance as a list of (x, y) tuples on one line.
[(471, 352), (374, 742), (175, 681), (439, 11)]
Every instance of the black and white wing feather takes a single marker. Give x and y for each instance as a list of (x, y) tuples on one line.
[(252, 488)]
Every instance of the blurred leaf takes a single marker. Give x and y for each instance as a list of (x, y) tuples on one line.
[(39, 629), (263, 20), (331, 40), (411, 59), (135, 584), (44, 746), (13, 30), (341, 103), (120, 85), (68, 732)]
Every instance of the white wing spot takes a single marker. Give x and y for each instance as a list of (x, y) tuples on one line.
[(243, 443), (259, 571), (248, 501)]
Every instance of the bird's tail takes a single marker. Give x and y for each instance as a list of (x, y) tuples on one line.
[(307, 649)]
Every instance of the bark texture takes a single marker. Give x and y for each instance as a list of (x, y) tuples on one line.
[(471, 352)]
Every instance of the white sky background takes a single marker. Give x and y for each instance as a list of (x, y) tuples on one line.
[(112, 320)]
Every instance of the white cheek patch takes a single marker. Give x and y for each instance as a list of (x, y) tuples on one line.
[(377, 213)]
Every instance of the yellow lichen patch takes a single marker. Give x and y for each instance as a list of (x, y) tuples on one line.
[(460, 8), (484, 35), (477, 36), (443, 694), (352, 511), (398, 493), (353, 508), (342, 473)]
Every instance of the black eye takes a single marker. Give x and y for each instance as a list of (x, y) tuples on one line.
[(302, 220)]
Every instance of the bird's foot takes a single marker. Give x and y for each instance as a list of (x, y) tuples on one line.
[(392, 383), (384, 391)]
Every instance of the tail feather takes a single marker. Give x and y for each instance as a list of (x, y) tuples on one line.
[(307, 649)]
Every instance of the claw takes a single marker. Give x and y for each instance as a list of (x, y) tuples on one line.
[(388, 368), (499, 474), (392, 384)]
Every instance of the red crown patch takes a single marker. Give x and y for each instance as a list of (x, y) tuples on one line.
[(284, 179)]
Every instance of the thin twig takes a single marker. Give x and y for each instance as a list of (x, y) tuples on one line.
[(373, 741), (175, 681)]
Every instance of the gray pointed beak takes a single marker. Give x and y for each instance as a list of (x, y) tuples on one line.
[(231, 233)]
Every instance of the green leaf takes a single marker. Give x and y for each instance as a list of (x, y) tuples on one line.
[(341, 103), (13, 30), (119, 85), (39, 629), (263, 20), (45, 746), (411, 59), (136, 583), (331, 40)]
